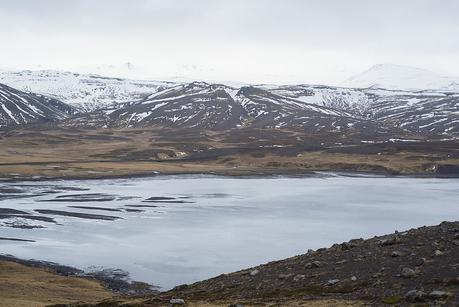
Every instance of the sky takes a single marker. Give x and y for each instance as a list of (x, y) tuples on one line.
[(257, 41)]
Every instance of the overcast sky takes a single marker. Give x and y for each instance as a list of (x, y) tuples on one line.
[(282, 41)]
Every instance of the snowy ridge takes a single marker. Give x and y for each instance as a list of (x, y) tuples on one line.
[(112, 102), (398, 77), (85, 92), (350, 100), (313, 108), (216, 106)]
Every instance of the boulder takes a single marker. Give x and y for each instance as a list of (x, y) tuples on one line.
[(176, 302), (254, 272), (407, 273), (414, 296)]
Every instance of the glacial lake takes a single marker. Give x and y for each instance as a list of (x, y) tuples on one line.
[(180, 229)]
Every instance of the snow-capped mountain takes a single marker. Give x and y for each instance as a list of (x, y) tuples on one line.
[(416, 111), (216, 106), (18, 107), (353, 101), (85, 92), (113, 102), (313, 108), (398, 77), (423, 111)]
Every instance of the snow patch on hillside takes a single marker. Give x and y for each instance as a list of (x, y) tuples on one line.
[(86, 92)]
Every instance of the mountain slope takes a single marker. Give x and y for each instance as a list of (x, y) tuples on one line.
[(423, 112), (17, 107), (415, 111), (215, 106), (85, 92), (399, 77), (119, 103)]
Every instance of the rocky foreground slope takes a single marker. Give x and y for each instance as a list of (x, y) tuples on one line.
[(419, 266)]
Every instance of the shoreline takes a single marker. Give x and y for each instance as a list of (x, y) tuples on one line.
[(115, 280), (234, 174), (435, 245)]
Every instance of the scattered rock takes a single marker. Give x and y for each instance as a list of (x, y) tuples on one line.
[(254, 272), (438, 253), (332, 282), (407, 273), (437, 295), (235, 305), (299, 277), (420, 261), (408, 278), (415, 296), (176, 302), (389, 241), (348, 245), (284, 276), (313, 265)]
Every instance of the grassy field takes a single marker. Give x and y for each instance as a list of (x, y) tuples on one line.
[(61, 153), (25, 286)]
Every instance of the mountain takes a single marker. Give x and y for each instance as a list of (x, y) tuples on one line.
[(18, 107), (423, 111), (120, 103), (398, 77), (216, 106), (85, 92), (415, 111), (312, 108)]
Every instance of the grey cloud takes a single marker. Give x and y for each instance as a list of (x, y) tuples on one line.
[(399, 31)]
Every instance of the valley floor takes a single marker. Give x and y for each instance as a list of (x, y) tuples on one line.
[(417, 266), (60, 153)]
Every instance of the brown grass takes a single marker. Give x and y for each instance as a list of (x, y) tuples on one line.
[(111, 153), (24, 286)]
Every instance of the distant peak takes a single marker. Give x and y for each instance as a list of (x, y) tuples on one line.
[(397, 67), (401, 77)]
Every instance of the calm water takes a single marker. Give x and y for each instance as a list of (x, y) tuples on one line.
[(217, 224)]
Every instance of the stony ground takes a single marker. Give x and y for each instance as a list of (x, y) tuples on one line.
[(418, 266)]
